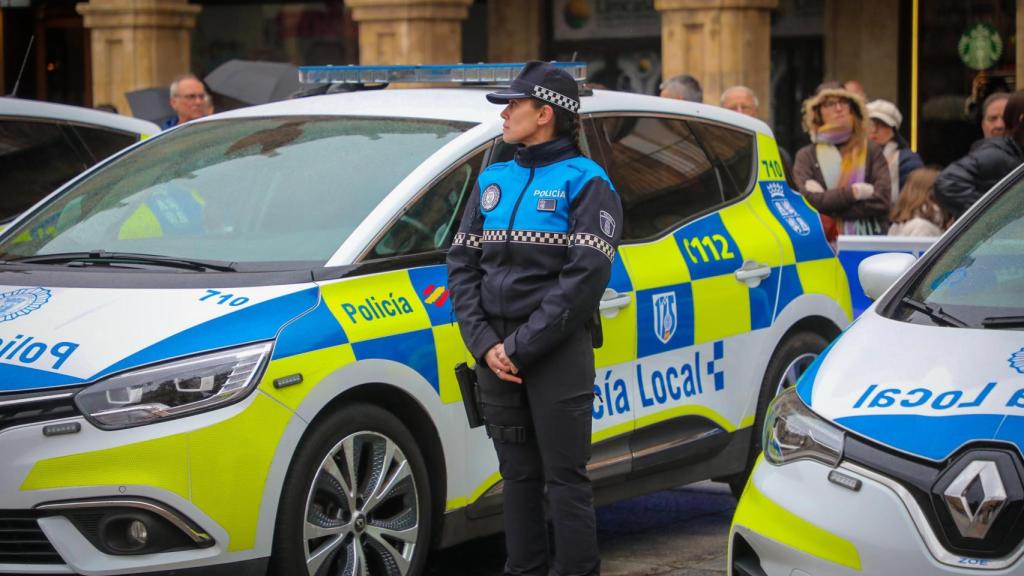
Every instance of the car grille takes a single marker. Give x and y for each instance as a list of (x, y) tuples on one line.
[(31, 407), (927, 481), (22, 541)]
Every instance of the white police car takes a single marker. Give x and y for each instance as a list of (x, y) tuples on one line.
[(231, 347), (899, 452)]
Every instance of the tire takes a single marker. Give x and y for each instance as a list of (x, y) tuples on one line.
[(788, 363), (381, 527)]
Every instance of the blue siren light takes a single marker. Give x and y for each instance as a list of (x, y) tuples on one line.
[(432, 73)]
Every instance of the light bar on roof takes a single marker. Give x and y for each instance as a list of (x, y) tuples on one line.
[(433, 73)]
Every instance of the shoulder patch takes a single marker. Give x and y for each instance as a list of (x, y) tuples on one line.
[(490, 197)]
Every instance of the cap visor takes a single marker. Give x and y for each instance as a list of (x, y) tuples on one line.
[(503, 97)]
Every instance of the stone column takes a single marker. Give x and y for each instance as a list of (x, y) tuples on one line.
[(1019, 67), (137, 44), (514, 30), (862, 43), (719, 42), (409, 31)]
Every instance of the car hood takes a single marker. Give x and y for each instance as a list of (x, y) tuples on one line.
[(923, 390), (52, 336)]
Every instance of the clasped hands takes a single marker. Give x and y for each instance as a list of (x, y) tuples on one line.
[(861, 190), (501, 365)]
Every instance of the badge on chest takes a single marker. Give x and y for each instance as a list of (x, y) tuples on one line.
[(547, 205)]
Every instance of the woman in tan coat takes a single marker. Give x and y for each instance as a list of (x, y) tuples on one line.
[(841, 173)]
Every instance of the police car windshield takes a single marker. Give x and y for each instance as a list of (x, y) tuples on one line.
[(267, 190), (979, 278)]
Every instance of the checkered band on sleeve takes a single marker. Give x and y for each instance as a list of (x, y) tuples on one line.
[(552, 97), (532, 237), (494, 236), (467, 240), (595, 242)]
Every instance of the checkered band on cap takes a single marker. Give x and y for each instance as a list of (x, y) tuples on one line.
[(552, 97)]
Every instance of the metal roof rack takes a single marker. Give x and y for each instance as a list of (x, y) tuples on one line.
[(502, 73)]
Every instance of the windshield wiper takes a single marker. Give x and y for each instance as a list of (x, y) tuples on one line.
[(1003, 322), (127, 257), (933, 312)]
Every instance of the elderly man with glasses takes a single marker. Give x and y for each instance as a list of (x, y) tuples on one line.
[(189, 99)]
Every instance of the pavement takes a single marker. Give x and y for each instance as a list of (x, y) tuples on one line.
[(678, 532)]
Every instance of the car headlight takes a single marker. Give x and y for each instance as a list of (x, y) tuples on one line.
[(174, 388), (792, 432)]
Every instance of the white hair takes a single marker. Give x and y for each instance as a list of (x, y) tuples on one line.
[(174, 83), (748, 91)]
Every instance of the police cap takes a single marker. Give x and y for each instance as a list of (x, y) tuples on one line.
[(545, 82)]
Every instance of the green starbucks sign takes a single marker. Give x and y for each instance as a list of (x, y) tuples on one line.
[(980, 47)]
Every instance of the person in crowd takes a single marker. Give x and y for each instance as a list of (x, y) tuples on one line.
[(682, 87), (884, 131), (857, 88), (992, 115), (526, 309), (841, 172), (916, 212), (189, 99), (961, 183), (744, 100), (740, 99)]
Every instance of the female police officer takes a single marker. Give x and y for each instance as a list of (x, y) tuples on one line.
[(526, 272)]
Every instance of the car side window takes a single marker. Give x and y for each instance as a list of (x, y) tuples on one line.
[(431, 221), (101, 142), (660, 170), (734, 149), (36, 157)]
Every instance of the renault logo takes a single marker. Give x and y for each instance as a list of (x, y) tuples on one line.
[(976, 498)]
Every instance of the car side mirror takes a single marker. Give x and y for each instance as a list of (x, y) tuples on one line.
[(877, 273)]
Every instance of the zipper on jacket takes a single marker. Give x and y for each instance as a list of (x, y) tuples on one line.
[(508, 240)]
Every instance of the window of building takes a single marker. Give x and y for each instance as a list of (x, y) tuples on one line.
[(660, 170)]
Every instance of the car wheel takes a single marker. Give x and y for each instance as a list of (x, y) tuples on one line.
[(790, 360), (356, 500)]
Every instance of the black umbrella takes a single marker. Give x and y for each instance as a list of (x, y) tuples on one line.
[(151, 104), (254, 82)]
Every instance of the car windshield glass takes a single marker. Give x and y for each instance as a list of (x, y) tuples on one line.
[(979, 277), (267, 190)]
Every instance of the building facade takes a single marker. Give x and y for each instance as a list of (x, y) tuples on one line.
[(936, 59)]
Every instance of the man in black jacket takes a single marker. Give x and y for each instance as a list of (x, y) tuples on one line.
[(961, 184)]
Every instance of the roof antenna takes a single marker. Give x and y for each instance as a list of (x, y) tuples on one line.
[(24, 62), (574, 52)]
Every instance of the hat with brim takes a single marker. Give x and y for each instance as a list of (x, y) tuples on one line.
[(544, 82)]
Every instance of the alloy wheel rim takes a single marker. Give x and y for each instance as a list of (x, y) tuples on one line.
[(362, 510), (793, 372)]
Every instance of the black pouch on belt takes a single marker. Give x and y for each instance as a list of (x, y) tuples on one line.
[(596, 331), (466, 378)]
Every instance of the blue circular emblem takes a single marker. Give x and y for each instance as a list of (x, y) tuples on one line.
[(22, 302), (491, 197), (1017, 361)]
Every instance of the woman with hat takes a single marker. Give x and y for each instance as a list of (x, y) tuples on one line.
[(885, 123), (842, 173), (526, 270)]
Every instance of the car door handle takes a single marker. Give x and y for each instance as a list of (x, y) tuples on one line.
[(751, 273), (612, 302)]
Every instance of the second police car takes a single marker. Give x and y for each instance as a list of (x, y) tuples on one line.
[(899, 451), (233, 348)]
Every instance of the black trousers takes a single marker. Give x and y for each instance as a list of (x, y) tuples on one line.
[(553, 405)]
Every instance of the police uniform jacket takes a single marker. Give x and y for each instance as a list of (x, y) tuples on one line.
[(534, 250)]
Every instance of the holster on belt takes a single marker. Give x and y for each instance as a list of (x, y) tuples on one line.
[(596, 331), (466, 378)]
